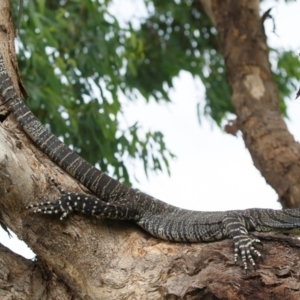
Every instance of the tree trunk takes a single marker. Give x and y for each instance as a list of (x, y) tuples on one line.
[(255, 97), (86, 258)]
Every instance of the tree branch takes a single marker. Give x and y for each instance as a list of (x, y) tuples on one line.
[(255, 97), (24, 279)]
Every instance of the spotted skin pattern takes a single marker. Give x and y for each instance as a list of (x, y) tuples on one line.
[(113, 200)]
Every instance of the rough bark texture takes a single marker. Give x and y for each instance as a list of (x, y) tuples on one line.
[(22, 279), (84, 258), (255, 97)]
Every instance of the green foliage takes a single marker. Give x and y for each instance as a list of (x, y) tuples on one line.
[(286, 70), (71, 58)]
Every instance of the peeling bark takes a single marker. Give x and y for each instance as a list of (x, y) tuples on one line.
[(255, 97)]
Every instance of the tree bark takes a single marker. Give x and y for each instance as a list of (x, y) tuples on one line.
[(23, 279), (255, 97), (86, 258)]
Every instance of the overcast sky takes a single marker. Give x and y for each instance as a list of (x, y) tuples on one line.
[(213, 170)]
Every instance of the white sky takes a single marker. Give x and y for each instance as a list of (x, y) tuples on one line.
[(213, 170)]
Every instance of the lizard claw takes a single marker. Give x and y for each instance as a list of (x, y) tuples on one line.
[(257, 241)]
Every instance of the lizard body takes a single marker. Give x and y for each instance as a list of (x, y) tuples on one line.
[(114, 200)]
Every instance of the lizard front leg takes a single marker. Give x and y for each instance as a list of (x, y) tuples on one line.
[(243, 244), (86, 204)]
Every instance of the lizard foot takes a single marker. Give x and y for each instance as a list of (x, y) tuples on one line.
[(86, 204), (243, 246), (67, 203), (63, 205)]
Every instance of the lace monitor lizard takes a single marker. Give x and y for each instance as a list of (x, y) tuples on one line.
[(114, 200)]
